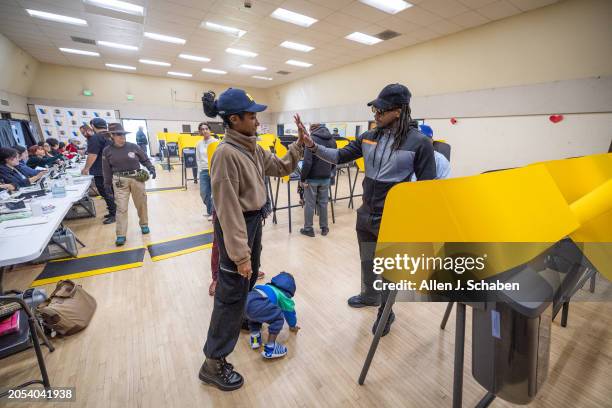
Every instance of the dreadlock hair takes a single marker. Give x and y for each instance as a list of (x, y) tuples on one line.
[(212, 111), (405, 123)]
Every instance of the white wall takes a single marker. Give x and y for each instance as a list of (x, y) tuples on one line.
[(17, 71)]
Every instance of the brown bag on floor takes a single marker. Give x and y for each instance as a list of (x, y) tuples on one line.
[(69, 309)]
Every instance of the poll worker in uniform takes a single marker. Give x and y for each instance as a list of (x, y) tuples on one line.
[(238, 169), (392, 152), (122, 174)]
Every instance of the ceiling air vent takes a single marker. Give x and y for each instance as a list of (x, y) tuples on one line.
[(83, 40), (4, 102), (283, 72), (387, 35)]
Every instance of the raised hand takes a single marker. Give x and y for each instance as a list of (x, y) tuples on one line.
[(303, 135)]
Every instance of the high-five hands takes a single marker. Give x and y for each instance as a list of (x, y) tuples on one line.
[(303, 135)]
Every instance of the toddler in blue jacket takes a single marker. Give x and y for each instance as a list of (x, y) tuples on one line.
[(272, 303)]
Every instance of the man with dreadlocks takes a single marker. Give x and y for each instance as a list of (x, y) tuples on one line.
[(392, 152)]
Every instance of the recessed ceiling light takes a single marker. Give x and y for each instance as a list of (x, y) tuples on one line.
[(79, 52), (235, 32), (242, 53), (293, 18), (214, 71), (298, 63), (117, 5), (363, 38), (58, 18), (153, 62), (253, 67), (117, 45), (296, 46), (194, 58), (181, 74), (119, 66), (388, 6), (164, 38), (262, 77)]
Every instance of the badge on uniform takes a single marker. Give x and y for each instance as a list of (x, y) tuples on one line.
[(131, 155)]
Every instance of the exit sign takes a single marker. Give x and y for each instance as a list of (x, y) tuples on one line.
[(87, 92), (130, 97)]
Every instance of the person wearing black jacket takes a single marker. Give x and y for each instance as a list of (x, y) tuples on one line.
[(9, 173), (316, 177), (392, 152)]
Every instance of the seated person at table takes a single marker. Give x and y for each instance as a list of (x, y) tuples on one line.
[(72, 147), (9, 160), (8, 187), (39, 158), (54, 146), (272, 303), (23, 159)]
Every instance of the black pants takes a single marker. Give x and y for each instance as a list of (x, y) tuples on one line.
[(110, 201), (231, 292), (367, 228), (195, 173)]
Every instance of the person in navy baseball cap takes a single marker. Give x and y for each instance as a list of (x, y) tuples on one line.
[(238, 169)]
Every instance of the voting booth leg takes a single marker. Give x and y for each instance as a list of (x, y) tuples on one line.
[(449, 309), (459, 348), (486, 400), (289, 202), (274, 220), (352, 188), (379, 331), (331, 202), (348, 172), (564, 314)]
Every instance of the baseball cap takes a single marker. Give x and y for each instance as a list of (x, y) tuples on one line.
[(392, 96), (99, 123), (235, 100), (426, 130)]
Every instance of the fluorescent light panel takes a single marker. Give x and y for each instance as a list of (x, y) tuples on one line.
[(153, 62), (116, 5), (296, 46), (363, 38), (164, 38), (293, 18), (242, 53), (194, 58), (253, 67), (235, 32), (181, 74), (388, 6), (298, 63), (262, 77), (79, 52), (119, 66), (214, 71), (58, 18), (117, 45)]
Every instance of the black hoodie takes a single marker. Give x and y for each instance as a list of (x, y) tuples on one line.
[(313, 167)]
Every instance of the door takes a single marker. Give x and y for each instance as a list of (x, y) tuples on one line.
[(132, 126)]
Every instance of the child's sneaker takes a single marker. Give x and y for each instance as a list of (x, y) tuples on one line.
[(274, 350), (255, 340)]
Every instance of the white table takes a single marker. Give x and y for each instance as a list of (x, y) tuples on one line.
[(23, 244)]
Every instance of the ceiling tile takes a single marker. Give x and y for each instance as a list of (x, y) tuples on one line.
[(498, 10), (418, 15), (398, 25), (444, 8), (307, 8), (531, 4), (445, 27), (364, 12), (475, 4), (469, 19)]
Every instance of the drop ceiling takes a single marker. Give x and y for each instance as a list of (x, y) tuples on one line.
[(425, 20)]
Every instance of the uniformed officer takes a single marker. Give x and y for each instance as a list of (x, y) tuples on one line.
[(122, 173)]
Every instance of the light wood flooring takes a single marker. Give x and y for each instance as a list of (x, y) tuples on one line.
[(143, 347)]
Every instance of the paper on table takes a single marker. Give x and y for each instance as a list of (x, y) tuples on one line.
[(25, 222)]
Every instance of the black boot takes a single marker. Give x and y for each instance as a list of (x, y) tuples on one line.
[(221, 374), (387, 328), (358, 301)]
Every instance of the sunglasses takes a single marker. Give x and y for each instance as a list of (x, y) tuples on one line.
[(381, 112)]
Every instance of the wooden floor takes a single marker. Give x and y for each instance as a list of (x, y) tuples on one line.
[(143, 347)]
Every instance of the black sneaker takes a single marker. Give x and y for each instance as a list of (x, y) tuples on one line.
[(357, 301), (309, 232), (387, 328), (221, 374), (324, 231), (108, 215), (109, 220)]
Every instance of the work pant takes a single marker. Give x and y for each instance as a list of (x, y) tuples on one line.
[(107, 196), (367, 236), (124, 186), (260, 310), (214, 256), (205, 191), (232, 290), (194, 171), (316, 195)]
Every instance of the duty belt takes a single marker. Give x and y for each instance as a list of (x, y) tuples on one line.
[(128, 173)]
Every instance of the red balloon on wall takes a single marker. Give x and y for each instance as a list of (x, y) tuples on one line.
[(453, 120), (555, 118)]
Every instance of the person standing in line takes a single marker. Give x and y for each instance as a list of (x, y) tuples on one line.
[(123, 177), (316, 177), (202, 159), (392, 152), (93, 165), (141, 140), (238, 170)]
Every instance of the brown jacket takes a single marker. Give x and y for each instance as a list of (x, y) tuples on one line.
[(238, 186)]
